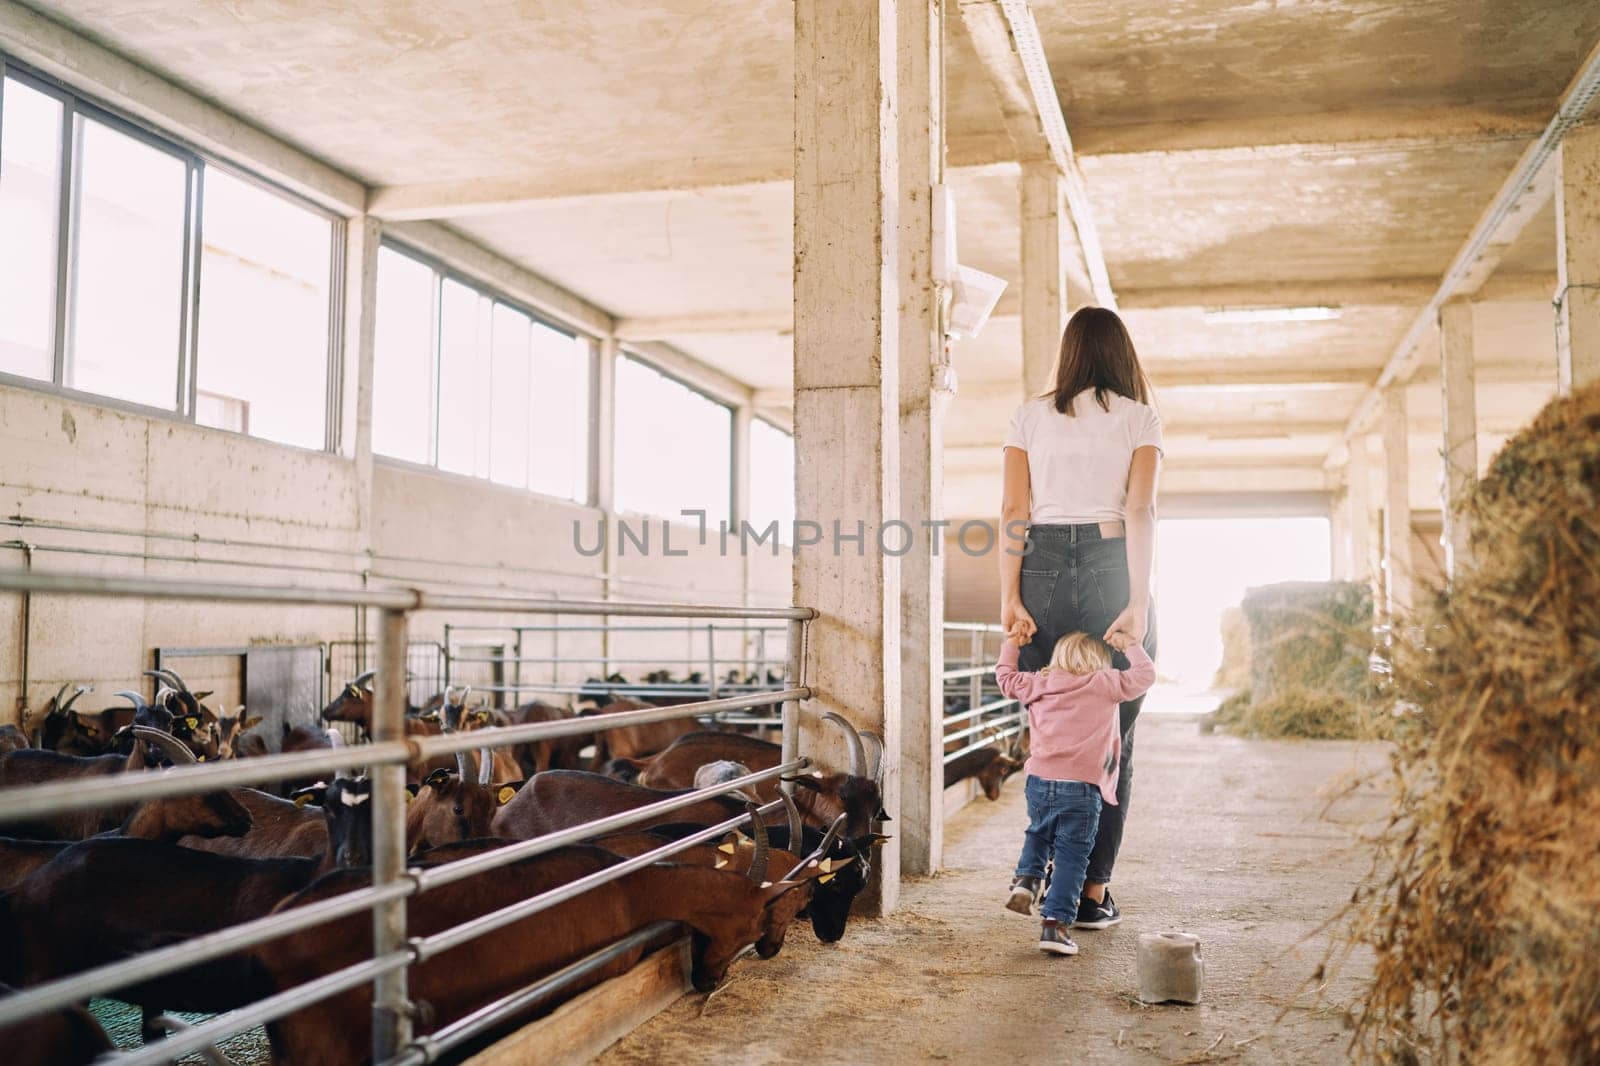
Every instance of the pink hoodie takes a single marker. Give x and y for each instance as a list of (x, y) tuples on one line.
[(1076, 734)]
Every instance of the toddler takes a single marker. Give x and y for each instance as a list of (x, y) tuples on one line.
[(1075, 750)]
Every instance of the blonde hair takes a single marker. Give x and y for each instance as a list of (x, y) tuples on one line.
[(1079, 653)]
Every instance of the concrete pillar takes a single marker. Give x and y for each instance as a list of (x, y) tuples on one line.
[(1045, 234), (846, 381), (363, 237), (920, 41), (1339, 538), (1459, 381), (1358, 498), (1397, 503), (740, 508), (1578, 260), (602, 424)]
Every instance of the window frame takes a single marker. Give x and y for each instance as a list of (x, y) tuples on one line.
[(75, 103), (443, 271), (733, 432)]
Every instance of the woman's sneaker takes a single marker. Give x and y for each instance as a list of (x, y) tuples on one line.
[(1102, 915), (1053, 938), (1024, 894)]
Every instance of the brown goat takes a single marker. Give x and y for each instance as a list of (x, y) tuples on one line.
[(729, 911), (632, 741), (31, 766), (560, 799), (69, 1036), (991, 766), (451, 806)]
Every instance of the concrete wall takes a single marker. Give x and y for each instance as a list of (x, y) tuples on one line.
[(107, 491)]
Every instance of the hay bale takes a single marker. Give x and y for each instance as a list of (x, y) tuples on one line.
[(1309, 636), (1482, 909), (1309, 674), (1233, 673)]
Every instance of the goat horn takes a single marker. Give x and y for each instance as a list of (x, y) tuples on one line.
[(170, 746), (758, 829), (74, 697), (485, 766), (462, 768), (170, 677), (858, 754), (875, 758), (62, 691), (162, 694), (822, 849), (361, 680), (132, 697), (797, 827), (466, 690)]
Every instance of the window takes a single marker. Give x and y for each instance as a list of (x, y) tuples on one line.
[(126, 287), (480, 387), (107, 252), (30, 213), (673, 446), (265, 303), (771, 477)]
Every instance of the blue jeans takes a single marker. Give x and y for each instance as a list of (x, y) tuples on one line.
[(1074, 580), (1063, 817)]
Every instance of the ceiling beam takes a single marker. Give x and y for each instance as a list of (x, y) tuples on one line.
[(1388, 292), (1524, 192), (466, 197), (654, 327), (1006, 39)]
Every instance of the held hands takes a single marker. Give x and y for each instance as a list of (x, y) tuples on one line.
[(1129, 627), (1018, 623)]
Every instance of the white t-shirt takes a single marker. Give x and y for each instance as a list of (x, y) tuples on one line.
[(1078, 463)]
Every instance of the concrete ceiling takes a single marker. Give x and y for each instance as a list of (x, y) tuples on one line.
[(1237, 153)]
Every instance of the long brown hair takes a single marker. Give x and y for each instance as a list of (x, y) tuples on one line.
[(1097, 353)]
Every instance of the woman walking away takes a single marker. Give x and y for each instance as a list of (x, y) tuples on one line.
[(1072, 767), (1078, 517)]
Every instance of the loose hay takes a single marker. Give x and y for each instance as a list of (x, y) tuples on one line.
[(1484, 909)]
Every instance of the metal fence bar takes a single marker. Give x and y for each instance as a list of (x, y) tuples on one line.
[(450, 872), (984, 743), (429, 946), (426, 1049), (982, 708), (968, 671), (981, 726), (64, 991), (391, 1015), (259, 1013)]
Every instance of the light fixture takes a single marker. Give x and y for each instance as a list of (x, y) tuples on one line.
[(1246, 315)]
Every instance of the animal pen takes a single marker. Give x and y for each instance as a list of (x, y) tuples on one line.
[(394, 1037)]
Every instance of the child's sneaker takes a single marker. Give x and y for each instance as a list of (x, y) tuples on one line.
[(1053, 938), (1024, 894)]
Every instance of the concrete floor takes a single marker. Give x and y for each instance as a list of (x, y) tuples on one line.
[(1228, 839)]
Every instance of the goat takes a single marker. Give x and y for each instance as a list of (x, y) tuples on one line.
[(728, 912), (30, 766), (632, 741), (75, 911), (12, 739), (559, 799), (822, 797), (991, 766), (354, 704), (280, 828), (457, 717), (449, 806), (169, 819), (62, 730), (192, 721), (69, 1036)]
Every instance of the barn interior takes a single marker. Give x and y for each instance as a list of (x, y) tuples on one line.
[(467, 302)]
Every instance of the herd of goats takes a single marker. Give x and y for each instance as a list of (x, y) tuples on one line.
[(83, 889)]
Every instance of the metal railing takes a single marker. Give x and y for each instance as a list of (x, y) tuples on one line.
[(386, 756), (980, 712)]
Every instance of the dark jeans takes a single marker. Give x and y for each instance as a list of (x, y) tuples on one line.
[(1062, 817), (1073, 580)]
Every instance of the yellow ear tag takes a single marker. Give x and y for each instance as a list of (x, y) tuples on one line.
[(199, 758), (301, 801), (505, 794), (825, 878), (721, 863), (827, 866), (726, 848)]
